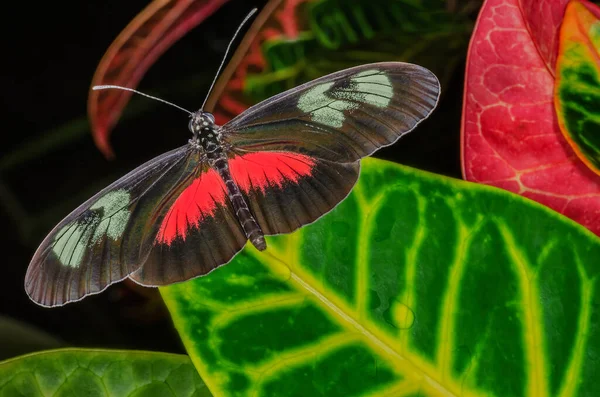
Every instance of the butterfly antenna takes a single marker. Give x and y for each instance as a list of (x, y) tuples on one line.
[(118, 87), (252, 12)]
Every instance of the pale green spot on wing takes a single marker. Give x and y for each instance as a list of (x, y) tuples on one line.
[(323, 109), (71, 241), (331, 117), (329, 107), (374, 88), (109, 215), (115, 205), (314, 98), (112, 201)]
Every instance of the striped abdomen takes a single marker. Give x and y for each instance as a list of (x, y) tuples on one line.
[(253, 232)]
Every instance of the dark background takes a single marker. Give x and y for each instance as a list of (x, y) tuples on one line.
[(49, 164)]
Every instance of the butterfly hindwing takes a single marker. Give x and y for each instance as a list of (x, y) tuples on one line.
[(98, 243), (193, 236), (341, 117), (287, 190)]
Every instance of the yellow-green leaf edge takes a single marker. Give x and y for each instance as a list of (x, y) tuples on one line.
[(456, 289), (95, 372)]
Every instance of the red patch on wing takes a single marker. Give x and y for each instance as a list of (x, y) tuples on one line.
[(199, 200), (265, 169), (195, 203)]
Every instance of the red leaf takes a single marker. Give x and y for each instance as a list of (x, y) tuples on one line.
[(136, 48), (510, 136), (278, 18), (542, 19)]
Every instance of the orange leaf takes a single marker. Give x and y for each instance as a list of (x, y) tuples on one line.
[(136, 48)]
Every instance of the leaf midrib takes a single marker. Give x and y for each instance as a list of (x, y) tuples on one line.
[(373, 340)]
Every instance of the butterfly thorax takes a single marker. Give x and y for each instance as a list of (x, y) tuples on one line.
[(206, 134), (207, 140)]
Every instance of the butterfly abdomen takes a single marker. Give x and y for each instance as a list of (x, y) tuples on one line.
[(240, 207)]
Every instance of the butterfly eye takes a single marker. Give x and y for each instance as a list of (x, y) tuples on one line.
[(210, 117), (191, 126)]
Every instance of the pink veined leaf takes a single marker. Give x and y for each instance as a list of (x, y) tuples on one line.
[(543, 18), (278, 18), (510, 135), (136, 48)]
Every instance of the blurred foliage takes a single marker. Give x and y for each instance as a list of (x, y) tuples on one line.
[(341, 34), (99, 373)]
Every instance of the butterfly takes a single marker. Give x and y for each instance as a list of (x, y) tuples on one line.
[(277, 166)]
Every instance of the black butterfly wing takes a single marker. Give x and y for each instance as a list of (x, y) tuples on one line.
[(197, 233), (340, 117), (99, 242)]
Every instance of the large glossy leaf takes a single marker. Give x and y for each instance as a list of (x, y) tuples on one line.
[(91, 373), (136, 48), (415, 285), (510, 136), (577, 96), (294, 41)]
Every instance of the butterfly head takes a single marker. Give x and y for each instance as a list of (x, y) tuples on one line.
[(201, 121)]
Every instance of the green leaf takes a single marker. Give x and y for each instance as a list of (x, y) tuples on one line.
[(90, 373), (416, 284)]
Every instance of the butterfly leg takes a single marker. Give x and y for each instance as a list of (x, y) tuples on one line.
[(245, 217)]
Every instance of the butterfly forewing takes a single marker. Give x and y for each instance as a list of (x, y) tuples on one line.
[(341, 117), (99, 243)]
